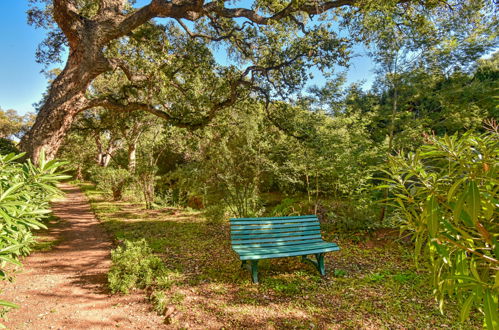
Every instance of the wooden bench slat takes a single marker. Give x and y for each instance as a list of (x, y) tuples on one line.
[(270, 231), (281, 249), (263, 240), (288, 254), (268, 222), (276, 218), (275, 235), (270, 228), (271, 244)]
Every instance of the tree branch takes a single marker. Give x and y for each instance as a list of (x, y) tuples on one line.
[(201, 35), (111, 6), (290, 9), (67, 18), (131, 76)]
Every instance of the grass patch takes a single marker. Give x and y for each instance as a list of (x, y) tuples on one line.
[(42, 245), (365, 287), (45, 242)]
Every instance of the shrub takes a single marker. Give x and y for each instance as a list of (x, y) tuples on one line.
[(159, 300), (25, 191), (134, 266), (7, 147), (446, 193), (286, 207), (113, 180), (216, 214)]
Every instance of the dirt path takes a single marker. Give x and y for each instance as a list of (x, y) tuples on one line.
[(65, 288)]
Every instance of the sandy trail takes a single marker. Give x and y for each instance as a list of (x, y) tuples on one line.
[(65, 288)]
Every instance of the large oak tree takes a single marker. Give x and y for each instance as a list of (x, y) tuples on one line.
[(270, 45)]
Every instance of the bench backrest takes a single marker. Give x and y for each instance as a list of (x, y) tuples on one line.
[(274, 231)]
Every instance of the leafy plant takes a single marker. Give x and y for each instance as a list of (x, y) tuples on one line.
[(110, 179), (134, 266), (286, 207), (7, 146), (159, 300), (25, 191), (447, 194)]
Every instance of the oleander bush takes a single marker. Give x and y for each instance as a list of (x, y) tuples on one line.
[(447, 195), (25, 192)]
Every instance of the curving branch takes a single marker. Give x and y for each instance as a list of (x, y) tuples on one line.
[(202, 35), (67, 18), (111, 7), (116, 63), (292, 7), (195, 9)]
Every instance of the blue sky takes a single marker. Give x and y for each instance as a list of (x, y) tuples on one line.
[(22, 83)]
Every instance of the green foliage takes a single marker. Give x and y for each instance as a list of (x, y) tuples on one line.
[(25, 192), (159, 301), (212, 273), (447, 194), (12, 124), (7, 147), (286, 207), (113, 180), (227, 167), (320, 150), (217, 213), (135, 267)]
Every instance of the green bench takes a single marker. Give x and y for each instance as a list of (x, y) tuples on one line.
[(277, 237)]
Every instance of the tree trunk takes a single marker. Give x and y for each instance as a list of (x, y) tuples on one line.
[(391, 135), (65, 99), (132, 157)]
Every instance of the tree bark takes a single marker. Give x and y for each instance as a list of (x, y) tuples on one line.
[(65, 99), (132, 157)]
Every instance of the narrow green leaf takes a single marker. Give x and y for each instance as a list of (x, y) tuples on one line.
[(473, 201), (8, 304), (432, 216), (466, 307), (11, 190), (490, 310), (453, 188), (10, 260)]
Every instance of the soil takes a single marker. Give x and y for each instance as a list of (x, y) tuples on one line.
[(65, 287)]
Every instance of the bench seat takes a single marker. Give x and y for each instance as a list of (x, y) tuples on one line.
[(254, 239), (255, 253)]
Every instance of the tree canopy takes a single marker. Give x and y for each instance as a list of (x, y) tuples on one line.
[(166, 50)]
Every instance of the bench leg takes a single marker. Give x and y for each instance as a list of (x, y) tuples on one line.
[(252, 266), (320, 263), (254, 270)]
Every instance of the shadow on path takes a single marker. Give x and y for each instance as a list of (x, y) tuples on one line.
[(65, 288)]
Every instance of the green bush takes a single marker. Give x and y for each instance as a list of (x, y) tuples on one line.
[(446, 193), (216, 214), (134, 266), (286, 207), (7, 147), (159, 300), (113, 180)]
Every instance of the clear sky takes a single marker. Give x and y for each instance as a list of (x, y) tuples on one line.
[(22, 83)]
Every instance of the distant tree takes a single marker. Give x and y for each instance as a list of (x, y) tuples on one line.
[(13, 124)]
